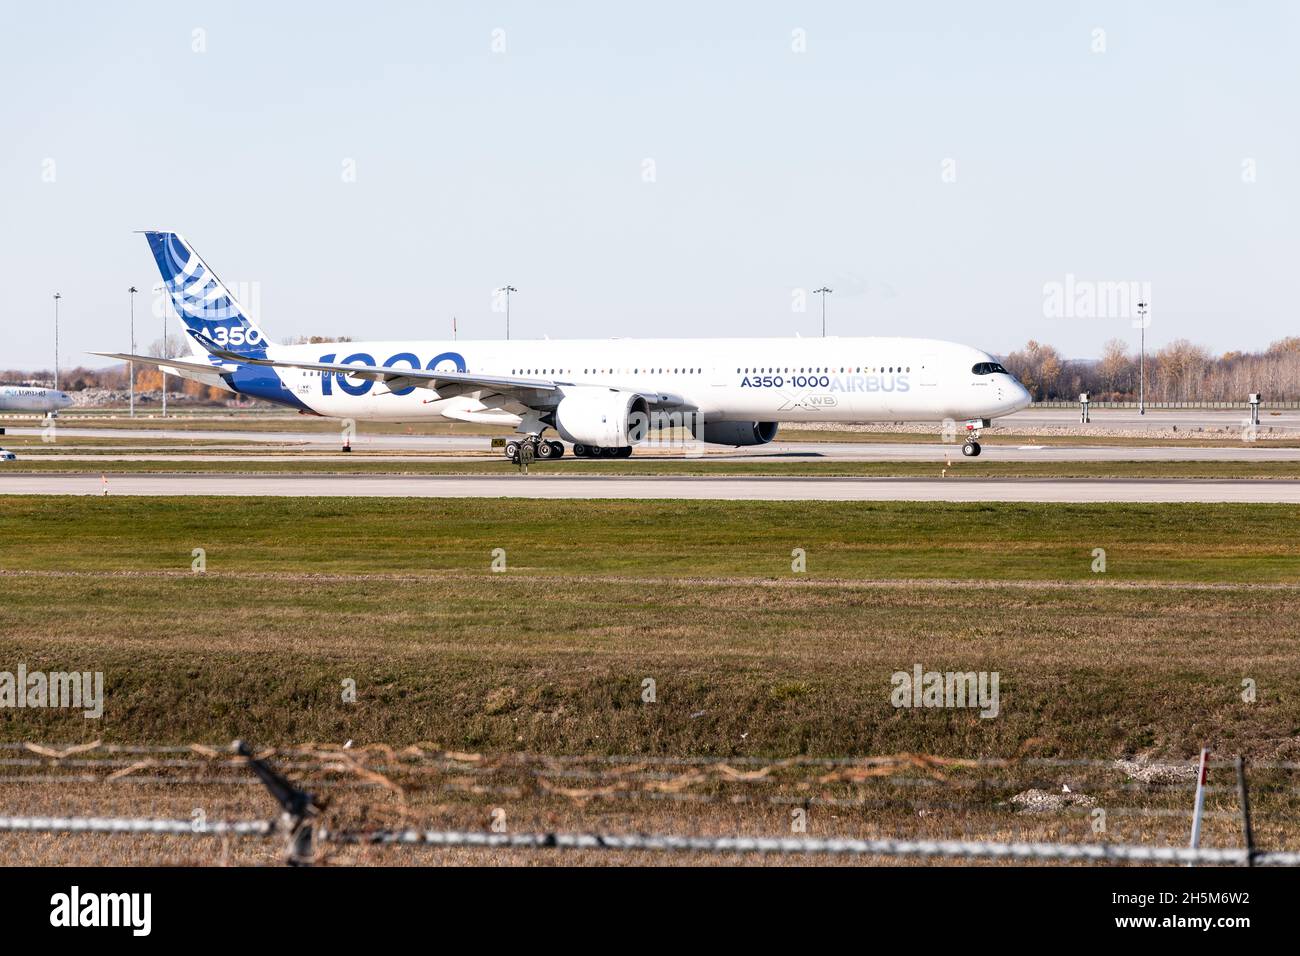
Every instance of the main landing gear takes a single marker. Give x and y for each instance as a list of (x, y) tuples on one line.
[(595, 451), (551, 450), (542, 450)]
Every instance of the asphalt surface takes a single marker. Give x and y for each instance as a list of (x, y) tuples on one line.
[(1184, 418), (288, 446), (780, 451)]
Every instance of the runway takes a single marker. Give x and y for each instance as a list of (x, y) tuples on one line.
[(136, 437), (675, 488), (290, 446), (939, 452), (1184, 418)]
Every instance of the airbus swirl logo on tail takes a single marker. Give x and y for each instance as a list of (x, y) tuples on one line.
[(196, 293), (202, 301)]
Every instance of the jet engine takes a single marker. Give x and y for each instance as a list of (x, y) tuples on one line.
[(737, 433), (602, 417)]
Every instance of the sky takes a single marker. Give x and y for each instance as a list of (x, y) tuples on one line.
[(666, 169)]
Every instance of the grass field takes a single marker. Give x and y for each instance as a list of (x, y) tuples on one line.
[(751, 660), (599, 595)]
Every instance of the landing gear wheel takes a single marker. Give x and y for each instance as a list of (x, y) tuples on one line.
[(557, 448), (624, 452), (579, 451), (546, 450), (512, 451), (971, 449)]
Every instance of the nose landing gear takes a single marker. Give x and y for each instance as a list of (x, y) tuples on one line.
[(972, 447)]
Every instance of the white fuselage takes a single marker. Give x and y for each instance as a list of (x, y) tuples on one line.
[(26, 398), (768, 379)]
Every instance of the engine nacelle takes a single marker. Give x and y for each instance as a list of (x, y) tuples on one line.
[(604, 417), (737, 433)]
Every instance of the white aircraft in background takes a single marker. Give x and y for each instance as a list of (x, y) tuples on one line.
[(602, 395), (29, 398)]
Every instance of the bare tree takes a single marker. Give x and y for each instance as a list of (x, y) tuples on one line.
[(1180, 372), (1038, 367), (1115, 370)]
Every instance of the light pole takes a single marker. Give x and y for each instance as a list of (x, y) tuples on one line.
[(57, 297), (507, 289), (162, 349), (131, 365), (823, 291), (1142, 359)]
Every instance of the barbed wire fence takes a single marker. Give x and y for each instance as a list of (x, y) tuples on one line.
[(308, 831)]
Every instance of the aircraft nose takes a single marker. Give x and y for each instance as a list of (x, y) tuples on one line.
[(1020, 397)]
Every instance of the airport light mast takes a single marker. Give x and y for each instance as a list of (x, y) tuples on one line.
[(57, 297), (1142, 359), (131, 365), (823, 292), (507, 289), (161, 290)]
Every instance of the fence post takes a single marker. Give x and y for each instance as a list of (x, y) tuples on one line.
[(299, 808), (1244, 795), (1200, 801)]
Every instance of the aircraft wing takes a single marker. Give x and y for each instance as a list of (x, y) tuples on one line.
[(179, 364)]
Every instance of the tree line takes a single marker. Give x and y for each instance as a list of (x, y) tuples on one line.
[(1178, 372)]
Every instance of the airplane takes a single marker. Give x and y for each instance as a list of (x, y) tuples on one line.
[(29, 398), (603, 396)]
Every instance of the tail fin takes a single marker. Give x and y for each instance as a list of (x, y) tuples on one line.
[(204, 304)]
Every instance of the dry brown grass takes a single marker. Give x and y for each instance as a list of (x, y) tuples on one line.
[(907, 800)]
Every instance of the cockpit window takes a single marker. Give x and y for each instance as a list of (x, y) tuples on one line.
[(988, 368)]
